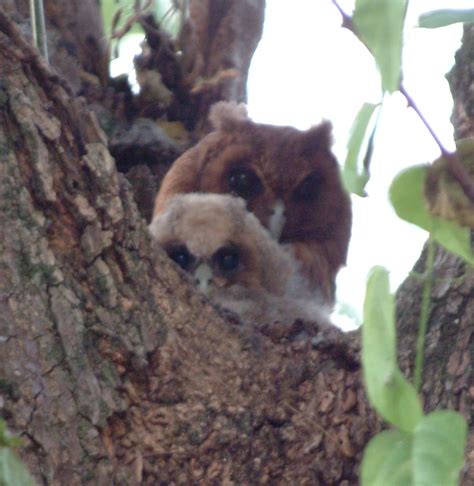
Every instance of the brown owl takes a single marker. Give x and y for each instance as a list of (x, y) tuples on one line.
[(234, 260), (289, 179)]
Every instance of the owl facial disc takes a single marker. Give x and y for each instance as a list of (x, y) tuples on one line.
[(203, 277), (277, 219)]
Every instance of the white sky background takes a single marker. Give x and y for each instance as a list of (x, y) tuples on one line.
[(307, 68)]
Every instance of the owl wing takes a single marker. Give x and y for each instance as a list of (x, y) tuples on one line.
[(320, 262)]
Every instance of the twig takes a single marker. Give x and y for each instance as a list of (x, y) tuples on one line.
[(455, 167), (412, 104), (347, 22), (38, 27), (453, 164), (138, 12)]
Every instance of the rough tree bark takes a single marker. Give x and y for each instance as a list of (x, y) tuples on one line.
[(76, 40), (449, 370), (112, 368)]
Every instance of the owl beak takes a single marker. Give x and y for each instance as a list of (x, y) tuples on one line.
[(277, 220), (203, 277)]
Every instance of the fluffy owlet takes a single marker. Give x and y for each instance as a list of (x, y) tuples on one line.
[(289, 179), (234, 260)]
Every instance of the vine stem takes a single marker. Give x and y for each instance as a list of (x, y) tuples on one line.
[(457, 170), (453, 164), (424, 314)]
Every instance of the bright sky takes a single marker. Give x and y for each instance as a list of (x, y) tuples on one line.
[(308, 68)]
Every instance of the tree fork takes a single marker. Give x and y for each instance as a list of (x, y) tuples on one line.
[(113, 367)]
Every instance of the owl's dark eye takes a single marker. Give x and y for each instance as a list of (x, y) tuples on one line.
[(227, 258), (181, 256), (244, 182), (309, 188)]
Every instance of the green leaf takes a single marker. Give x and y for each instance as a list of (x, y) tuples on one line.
[(438, 448), (443, 17), (432, 455), (387, 460), (394, 398), (12, 470), (353, 180), (6, 439), (407, 197), (379, 24)]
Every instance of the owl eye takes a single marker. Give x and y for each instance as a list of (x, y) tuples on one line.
[(227, 258), (244, 183), (181, 256), (308, 189)]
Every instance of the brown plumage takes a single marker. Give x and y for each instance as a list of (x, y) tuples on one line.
[(234, 260), (289, 178)]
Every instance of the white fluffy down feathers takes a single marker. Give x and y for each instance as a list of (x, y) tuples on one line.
[(234, 260)]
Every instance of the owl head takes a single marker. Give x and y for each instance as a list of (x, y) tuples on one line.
[(216, 240), (288, 178)]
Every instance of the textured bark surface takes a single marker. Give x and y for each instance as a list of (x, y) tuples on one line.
[(71, 268), (76, 42), (221, 39), (449, 353), (449, 357), (113, 368), (253, 410), (461, 80)]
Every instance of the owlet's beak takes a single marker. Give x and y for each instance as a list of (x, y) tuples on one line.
[(203, 278)]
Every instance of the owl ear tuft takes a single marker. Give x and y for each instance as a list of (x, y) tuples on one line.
[(317, 138), (224, 115)]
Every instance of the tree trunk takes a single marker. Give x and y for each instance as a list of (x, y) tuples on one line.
[(448, 375), (114, 369)]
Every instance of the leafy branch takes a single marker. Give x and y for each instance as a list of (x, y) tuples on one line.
[(457, 170), (421, 449)]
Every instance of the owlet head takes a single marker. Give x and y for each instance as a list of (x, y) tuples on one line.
[(213, 237)]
